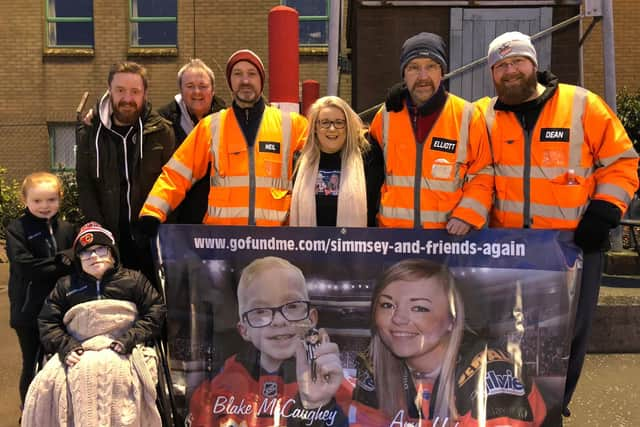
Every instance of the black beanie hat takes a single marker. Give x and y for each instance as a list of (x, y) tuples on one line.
[(424, 45), (92, 234)]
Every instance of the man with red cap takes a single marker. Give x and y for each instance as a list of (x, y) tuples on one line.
[(250, 146)]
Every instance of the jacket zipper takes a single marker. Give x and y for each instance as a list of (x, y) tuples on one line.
[(52, 244), (526, 175)]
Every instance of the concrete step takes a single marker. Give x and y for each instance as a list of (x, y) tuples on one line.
[(622, 263), (616, 324)]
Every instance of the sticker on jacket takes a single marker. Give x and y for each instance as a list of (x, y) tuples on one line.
[(554, 135), (442, 144), (269, 147)]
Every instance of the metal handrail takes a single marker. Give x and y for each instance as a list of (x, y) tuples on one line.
[(479, 61)]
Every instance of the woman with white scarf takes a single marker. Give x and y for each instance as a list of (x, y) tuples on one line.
[(339, 173)]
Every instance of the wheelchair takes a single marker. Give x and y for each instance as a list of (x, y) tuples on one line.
[(165, 398)]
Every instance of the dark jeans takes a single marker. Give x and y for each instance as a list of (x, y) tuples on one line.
[(587, 303), (29, 340)]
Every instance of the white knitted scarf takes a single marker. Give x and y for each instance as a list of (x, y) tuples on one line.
[(352, 198), (104, 388)]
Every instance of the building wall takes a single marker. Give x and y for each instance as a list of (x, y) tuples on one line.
[(380, 32), (626, 16), (38, 88)]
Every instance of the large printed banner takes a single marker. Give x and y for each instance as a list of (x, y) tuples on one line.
[(368, 327)]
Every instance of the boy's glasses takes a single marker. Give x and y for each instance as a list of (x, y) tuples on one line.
[(262, 317), (326, 124), (101, 251)]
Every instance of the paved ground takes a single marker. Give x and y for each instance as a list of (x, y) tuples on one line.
[(607, 396)]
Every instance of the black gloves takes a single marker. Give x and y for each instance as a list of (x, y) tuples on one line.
[(148, 226), (395, 97), (592, 233)]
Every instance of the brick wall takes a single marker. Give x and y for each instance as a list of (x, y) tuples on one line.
[(36, 88), (626, 16)]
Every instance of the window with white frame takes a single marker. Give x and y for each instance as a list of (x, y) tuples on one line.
[(153, 23), (62, 143), (69, 23), (314, 21)]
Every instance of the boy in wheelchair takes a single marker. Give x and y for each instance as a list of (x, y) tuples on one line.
[(97, 320)]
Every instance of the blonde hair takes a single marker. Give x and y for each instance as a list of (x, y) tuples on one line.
[(355, 143), (352, 200), (388, 369), (37, 178), (252, 271)]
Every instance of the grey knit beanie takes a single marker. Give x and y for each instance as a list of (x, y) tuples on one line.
[(509, 44), (424, 45)]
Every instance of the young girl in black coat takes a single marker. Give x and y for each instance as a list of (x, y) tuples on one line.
[(35, 244)]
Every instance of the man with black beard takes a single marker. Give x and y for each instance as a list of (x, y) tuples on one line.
[(119, 156), (562, 161)]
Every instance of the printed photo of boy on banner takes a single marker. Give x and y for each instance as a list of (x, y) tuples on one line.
[(368, 327)]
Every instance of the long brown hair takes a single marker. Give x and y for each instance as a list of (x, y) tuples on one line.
[(388, 369)]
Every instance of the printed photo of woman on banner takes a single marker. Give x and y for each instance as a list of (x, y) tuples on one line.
[(368, 327)]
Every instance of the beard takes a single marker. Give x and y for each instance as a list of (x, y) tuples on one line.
[(517, 92), (420, 98), (128, 116), (247, 94)]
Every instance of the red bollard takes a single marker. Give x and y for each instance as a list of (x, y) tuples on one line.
[(310, 93), (284, 59)]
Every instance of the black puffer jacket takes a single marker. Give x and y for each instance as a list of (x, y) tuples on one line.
[(98, 168), (34, 248), (119, 284)]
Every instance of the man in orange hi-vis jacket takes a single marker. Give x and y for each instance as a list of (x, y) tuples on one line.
[(250, 146), (436, 150), (562, 161)]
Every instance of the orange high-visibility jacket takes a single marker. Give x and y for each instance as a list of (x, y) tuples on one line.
[(447, 175), (248, 185), (577, 151)]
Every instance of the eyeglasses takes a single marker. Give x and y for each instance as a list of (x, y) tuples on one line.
[(416, 68), (98, 250), (516, 63), (337, 124), (262, 317)]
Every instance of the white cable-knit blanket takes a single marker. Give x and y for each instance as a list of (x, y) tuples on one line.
[(104, 388)]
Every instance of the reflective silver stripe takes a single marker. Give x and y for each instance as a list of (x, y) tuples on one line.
[(158, 203), (487, 170), (463, 140), (179, 167), (215, 145), (286, 145), (232, 181), (385, 131), (433, 185), (511, 171), (614, 191), (629, 154), (243, 212), (243, 181), (547, 211), (490, 114), (234, 212), (473, 204), (271, 215), (576, 134), (407, 214)]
